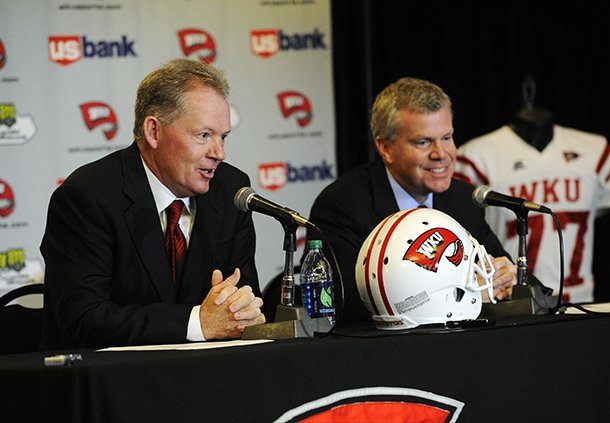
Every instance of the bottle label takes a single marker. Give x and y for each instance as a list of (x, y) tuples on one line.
[(318, 299)]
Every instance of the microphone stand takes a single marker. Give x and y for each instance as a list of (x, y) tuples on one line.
[(522, 258), (291, 321), (526, 298), (287, 296)]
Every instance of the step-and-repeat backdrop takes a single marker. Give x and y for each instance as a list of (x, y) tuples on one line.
[(69, 71)]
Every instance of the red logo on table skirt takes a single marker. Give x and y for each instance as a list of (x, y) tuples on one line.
[(377, 404)]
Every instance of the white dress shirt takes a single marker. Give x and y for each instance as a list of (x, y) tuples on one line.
[(403, 198), (163, 198)]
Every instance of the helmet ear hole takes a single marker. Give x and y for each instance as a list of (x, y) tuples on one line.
[(458, 294)]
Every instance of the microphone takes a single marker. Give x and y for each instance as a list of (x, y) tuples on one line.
[(484, 196), (246, 199)]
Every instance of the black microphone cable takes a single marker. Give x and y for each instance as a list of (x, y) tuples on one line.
[(560, 304)]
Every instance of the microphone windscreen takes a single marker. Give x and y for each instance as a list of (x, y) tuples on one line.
[(479, 194), (242, 197)]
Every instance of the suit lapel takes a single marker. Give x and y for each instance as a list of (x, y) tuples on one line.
[(196, 275), (143, 223), (384, 202)]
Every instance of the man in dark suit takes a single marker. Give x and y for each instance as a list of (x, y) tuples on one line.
[(109, 280), (412, 126)]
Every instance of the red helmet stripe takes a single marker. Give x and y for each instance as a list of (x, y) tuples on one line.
[(367, 280), (384, 246)]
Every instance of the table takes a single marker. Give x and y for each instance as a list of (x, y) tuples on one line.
[(525, 369)]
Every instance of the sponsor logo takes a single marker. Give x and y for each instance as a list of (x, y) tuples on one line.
[(273, 176), (197, 43), (387, 404), (426, 251), (17, 269), (98, 114), (7, 199), (268, 42), (296, 105), (2, 55), (67, 49), (15, 128), (12, 259)]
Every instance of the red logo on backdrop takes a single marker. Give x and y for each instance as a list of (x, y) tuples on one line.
[(100, 114), (272, 176), (2, 55), (427, 250), (297, 105), (7, 199), (65, 49), (264, 42), (198, 43)]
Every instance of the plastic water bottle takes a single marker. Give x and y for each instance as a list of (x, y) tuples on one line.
[(317, 290)]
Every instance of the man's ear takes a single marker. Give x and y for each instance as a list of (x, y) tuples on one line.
[(152, 131), (382, 147)]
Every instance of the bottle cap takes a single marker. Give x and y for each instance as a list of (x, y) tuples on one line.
[(314, 243)]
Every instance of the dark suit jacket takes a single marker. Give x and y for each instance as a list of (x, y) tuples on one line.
[(348, 209), (107, 278)]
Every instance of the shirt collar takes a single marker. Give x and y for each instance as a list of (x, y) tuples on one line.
[(162, 195), (403, 198)]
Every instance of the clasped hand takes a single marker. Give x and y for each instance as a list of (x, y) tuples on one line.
[(227, 309), (504, 278)]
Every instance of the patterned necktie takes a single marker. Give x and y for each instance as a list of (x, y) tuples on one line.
[(175, 243)]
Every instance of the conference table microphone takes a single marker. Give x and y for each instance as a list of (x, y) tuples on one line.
[(526, 298), (291, 321), (246, 199), (484, 196)]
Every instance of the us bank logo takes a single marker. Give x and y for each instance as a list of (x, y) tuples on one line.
[(295, 105), (67, 49), (197, 44), (100, 115), (273, 176), (268, 42)]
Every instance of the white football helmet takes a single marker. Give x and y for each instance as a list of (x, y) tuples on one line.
[(418, 267)]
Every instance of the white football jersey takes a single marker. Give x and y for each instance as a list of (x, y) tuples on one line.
[(571, 176)]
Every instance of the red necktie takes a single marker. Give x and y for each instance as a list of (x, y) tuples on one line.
[(175, 243)]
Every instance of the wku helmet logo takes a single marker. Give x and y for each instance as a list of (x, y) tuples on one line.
[(426, 251)]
